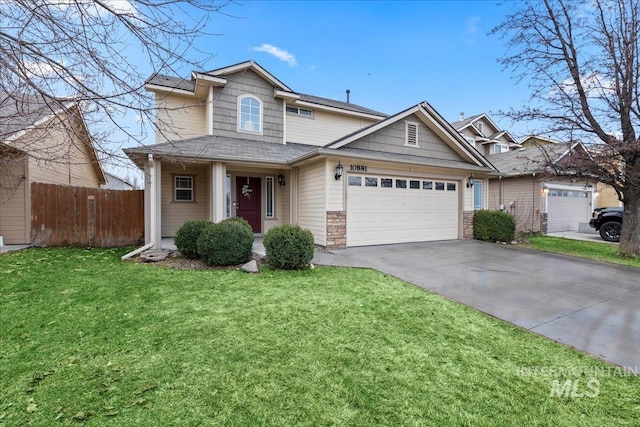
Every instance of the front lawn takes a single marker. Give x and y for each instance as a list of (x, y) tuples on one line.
[(89, 340), (591, 250)]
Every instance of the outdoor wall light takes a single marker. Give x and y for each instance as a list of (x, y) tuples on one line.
[(470, 181), (339, 170), (281, 181)]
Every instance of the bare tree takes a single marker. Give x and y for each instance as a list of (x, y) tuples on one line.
[(581, 61), (60, 53)]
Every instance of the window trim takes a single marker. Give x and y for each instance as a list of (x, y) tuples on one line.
[(270, 198), (241, 98), (175, 188), (408, 124)]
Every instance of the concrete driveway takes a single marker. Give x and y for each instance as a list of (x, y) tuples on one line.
[(587, 305)]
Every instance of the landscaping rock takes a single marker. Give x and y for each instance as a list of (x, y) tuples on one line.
[(154, 255), (250, 267)]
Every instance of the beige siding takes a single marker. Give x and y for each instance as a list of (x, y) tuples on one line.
[(311, 200), (179, 117), (174, 214), (13, 194), (522, 198), (606, 197), (323, 128), (392, 139), (335, 189), (60, 155)]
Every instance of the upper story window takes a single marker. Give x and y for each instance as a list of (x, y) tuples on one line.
[(249, 114), (499, 148), (480, 127), (471, 141), (411, 136), (304, 112)]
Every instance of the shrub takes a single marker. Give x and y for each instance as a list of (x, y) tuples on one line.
[(493, 226), (288, 247), (238, 220), (187, 236), (225, 243)]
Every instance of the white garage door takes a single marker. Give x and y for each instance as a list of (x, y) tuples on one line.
[(567, 209), (385, 209)]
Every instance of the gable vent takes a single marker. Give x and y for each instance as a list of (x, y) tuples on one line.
[(412, 134)]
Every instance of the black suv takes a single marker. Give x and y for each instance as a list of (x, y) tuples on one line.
[(607, 221)]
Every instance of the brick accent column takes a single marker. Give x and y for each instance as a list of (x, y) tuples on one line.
[(336, 229), (544, 223), (467, 224)]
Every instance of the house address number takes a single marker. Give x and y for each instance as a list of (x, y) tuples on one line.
[(358, 168)]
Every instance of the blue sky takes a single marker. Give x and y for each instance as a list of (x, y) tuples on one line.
[(391, 55)]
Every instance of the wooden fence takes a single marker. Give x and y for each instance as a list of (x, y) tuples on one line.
[(78, 216)]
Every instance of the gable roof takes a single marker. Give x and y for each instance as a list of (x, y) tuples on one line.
[(250, 64), (430, 117), (461, 125), (22, 113), (535, 159)]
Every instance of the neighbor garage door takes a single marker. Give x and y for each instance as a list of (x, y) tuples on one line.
[(386, 209), (567, 209)]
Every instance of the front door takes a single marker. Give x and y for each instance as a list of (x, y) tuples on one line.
[(248, 204)]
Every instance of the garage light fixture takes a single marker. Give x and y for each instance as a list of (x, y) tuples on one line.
[(339, 170), (470, 181), (281, 181)]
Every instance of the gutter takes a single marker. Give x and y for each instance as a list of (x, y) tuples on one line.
[(137, 251)]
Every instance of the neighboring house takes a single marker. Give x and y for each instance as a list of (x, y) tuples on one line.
[(482, 133), (116, 183), (40, 145), (242, 143), (539, 199)]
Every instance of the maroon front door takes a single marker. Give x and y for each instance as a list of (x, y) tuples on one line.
[(248, 204)]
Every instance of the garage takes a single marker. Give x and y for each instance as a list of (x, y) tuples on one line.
[(395, 209), (567, 209)]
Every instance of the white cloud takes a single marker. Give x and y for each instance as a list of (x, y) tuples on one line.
[(595, 86), (38, 69), (471, 25), (282, 55), (90, 8)]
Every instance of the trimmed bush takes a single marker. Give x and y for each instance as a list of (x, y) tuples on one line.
[(225, 243), (288, 247), (238, 220), (493, 226), (187, 236)]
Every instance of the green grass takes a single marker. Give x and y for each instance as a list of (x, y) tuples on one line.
[(88, 340), (591, 250)]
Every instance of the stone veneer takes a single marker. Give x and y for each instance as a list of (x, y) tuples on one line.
[(467, 224), (544, 223), (336, 229)]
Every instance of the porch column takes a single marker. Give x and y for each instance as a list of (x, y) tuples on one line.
[(153, 232), (218, 194)]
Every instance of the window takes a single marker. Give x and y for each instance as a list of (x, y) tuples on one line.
[(305, 112), (269, 199), (401, 183), (386, 182), (451, 186), (427, 185), (471, 141), (499, 148), (411, 137), (249, 114), (414, 184), (478, 194), (183, 189), (355, 180), (228, 190), (370, 182), (440, 186), (480, 127)]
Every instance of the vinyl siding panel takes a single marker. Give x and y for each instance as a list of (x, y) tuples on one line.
[(174, 214), (392, 139), (522, 199), (179, 117), (311, 200), (335, 189), (323, 128), (225, 107), (13, 215)]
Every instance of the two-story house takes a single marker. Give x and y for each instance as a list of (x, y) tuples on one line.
[(236, 141)]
